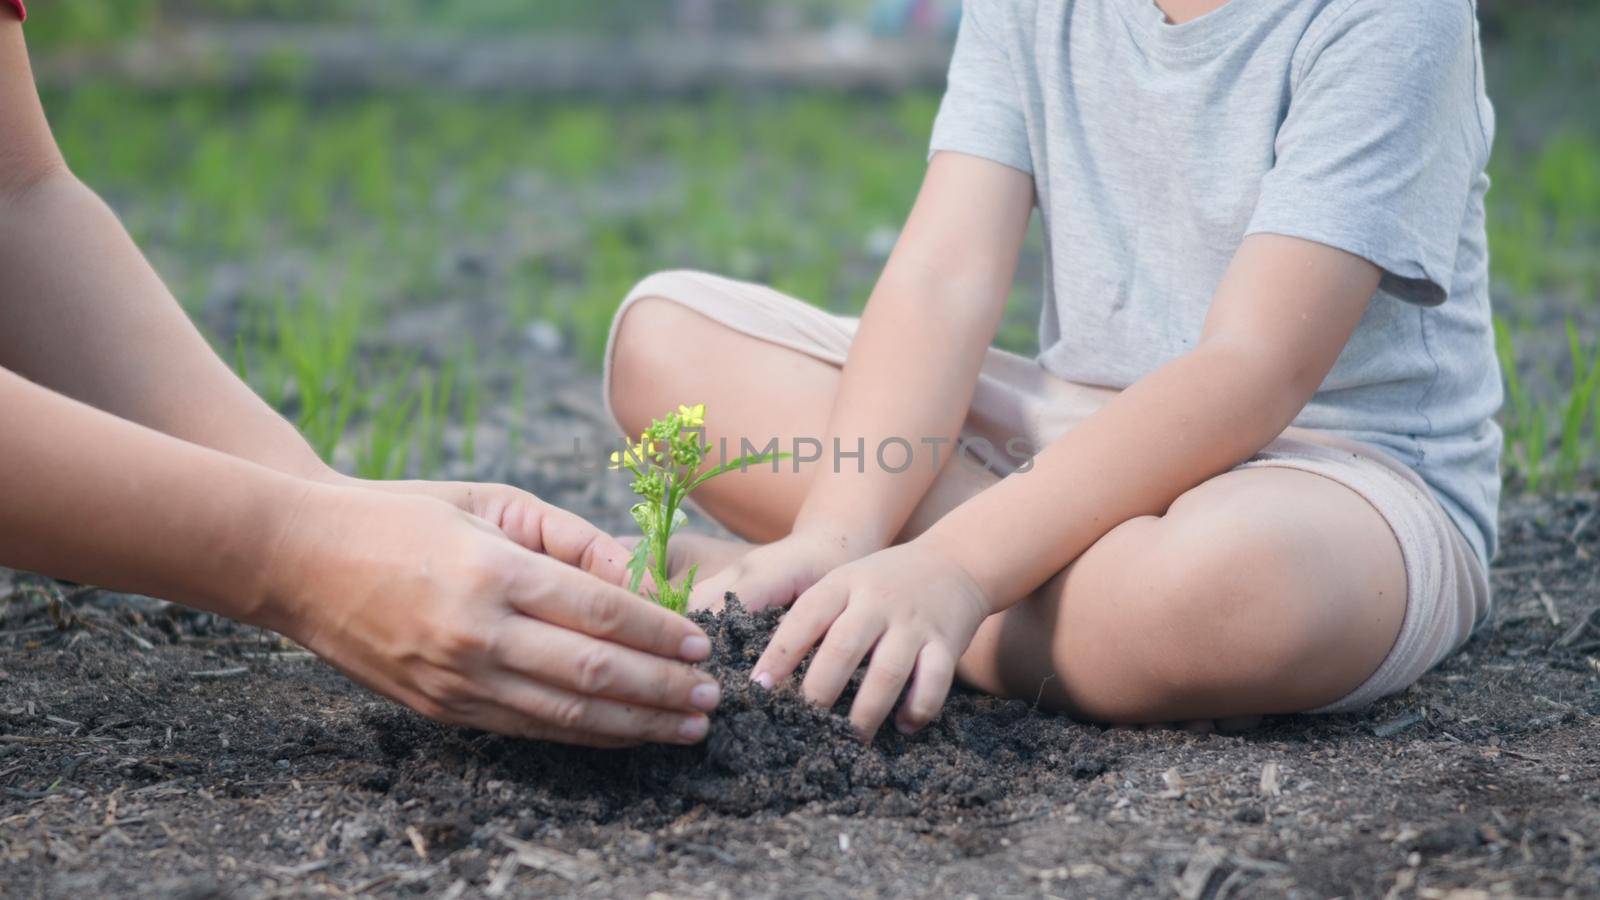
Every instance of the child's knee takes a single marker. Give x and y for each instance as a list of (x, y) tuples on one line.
[(1201, 617), (648, 342)]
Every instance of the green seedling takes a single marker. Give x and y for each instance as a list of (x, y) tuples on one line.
[(470, 399), (1564, 423), (385, 450), (665, 463), (1575, 415)]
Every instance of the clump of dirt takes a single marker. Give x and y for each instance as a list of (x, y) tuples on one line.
[(768, 751)]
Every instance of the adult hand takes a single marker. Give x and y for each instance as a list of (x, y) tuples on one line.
[(525, 519), (433, 606)]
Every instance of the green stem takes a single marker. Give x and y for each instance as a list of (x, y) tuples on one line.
[(742, 462), (669, 503)]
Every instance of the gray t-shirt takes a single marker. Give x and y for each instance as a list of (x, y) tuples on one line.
[(1156, 148)]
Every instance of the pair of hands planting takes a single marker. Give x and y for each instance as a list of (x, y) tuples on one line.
[(507, 615)]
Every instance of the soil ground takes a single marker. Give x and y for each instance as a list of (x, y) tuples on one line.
[(149, 750)]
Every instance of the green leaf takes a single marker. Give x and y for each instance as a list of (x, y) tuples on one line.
[(638, 563), (644, 517), (675, 600), (753, 459)]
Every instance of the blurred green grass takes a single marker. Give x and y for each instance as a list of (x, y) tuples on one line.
[(564, 206), (89, 22), (795, 184), (298, 227)]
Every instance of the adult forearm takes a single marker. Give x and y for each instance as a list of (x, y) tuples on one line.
[(86, 315), (1194, 418), (94, 498)]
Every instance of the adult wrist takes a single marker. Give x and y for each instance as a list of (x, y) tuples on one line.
[(319, 472), (290, 553)]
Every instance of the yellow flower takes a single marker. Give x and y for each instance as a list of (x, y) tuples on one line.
[(693, 416), (636, 454)]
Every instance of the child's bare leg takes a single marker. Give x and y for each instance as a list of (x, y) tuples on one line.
[(1263, 590), (792, 397)]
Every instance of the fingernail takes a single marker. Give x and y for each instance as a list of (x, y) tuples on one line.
[(763, 678), (695, 647), (704, 697), (693, 729)]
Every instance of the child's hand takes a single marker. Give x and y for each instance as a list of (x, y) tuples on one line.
[(775, 574), (914, 610)]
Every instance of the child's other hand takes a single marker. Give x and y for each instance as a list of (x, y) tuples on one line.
[(910, 607), (774, 574)]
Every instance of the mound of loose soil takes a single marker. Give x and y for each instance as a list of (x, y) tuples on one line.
[(768, 751)]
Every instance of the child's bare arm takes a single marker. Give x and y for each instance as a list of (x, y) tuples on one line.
[(914, 362), (1284, 311), (1280, 318), (909, 377)]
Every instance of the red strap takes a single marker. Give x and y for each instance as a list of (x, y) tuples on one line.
[(22, 11)]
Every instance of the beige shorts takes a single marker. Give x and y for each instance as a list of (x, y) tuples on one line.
[(1448, 588)]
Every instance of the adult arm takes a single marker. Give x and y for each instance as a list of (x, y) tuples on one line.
[(162, 473), (83, 313), (411, 596)]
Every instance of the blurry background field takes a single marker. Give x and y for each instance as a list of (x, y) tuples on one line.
[(409, 221)]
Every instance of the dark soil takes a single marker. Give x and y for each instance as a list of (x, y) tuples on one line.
[(146, 749), (768, 752)]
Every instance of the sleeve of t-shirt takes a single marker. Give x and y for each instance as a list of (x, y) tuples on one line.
[(1383, 140), (22, 11), (981, 114)]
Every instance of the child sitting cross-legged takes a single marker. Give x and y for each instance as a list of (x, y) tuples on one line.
[(1266, 470)]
